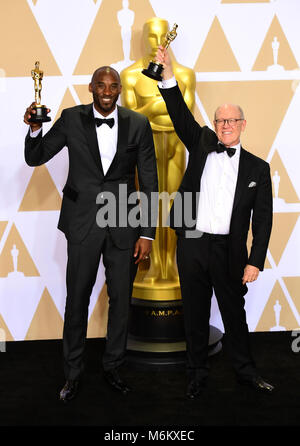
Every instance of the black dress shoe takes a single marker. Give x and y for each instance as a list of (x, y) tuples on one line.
[(257, 383), (69, 391), (195, 388), (114, 379)]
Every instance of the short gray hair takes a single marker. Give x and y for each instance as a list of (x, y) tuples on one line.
[(237, 106)]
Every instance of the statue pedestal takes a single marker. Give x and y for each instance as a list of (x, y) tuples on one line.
[(156, 329)]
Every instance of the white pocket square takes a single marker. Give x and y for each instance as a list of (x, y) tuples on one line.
[(252, 184)]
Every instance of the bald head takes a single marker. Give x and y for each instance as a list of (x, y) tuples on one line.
[(106, 70)]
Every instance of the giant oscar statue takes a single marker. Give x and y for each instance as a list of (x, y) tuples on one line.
[(156, 325)]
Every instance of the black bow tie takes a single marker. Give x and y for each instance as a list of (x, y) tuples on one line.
[(110, 122), (230, 150)]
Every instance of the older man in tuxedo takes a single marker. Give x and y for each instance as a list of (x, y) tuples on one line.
[(106, 143), (234, 186)]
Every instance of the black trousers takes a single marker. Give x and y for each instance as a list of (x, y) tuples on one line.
[(82, 268), (203, 268)]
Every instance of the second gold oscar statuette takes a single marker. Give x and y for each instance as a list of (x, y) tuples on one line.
[(155, 69), (41, 110)]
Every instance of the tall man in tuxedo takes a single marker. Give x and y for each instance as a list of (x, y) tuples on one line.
[(106, 143), (211, 247)]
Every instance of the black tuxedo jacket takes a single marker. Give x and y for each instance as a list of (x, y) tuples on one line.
[(254, 201), (135, 149)]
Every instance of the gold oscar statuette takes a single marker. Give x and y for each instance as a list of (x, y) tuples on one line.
[(155, 69), (41, 110)]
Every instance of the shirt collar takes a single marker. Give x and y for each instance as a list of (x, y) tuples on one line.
[(237, 147), (113, 114)]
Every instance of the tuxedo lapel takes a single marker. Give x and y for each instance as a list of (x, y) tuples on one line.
[(88, 123), (243, 176), (198, 168)]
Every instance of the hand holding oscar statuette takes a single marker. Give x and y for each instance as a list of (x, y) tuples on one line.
[(40, 114), (155, 69)]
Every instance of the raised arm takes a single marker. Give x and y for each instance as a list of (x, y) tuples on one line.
[(178, 106)]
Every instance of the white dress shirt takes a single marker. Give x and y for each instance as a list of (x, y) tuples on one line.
[(217, 190), (107, 138), (218, 184)]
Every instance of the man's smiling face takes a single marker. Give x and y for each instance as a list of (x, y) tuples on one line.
[(105, 87), (229, 133)]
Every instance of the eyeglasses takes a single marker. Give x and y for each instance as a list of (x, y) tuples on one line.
[(231, 121)]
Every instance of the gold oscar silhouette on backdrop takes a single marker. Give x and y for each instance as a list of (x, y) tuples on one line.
[(140, 93), (156, 310)]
